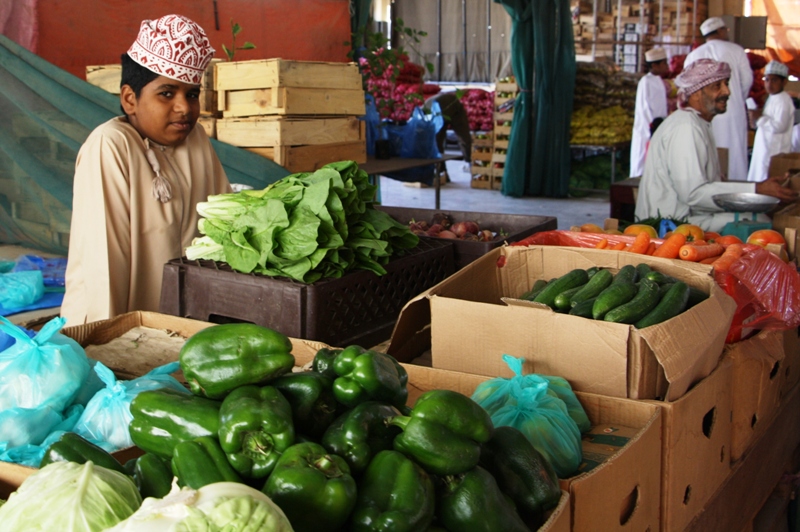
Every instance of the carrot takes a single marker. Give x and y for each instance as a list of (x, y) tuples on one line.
[(651, 248), (603, 244), (671, 246), (697, 253), (709, 260), (619, 246), (731, 255), (640, 243)]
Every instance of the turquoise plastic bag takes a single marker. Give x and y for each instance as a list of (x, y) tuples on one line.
[(528, 403), (20, 289), (107, 415), (46, 370), (29, 432)]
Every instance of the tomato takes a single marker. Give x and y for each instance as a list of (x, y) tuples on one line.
[(762, 237), (691, 232), (711, 236), (727, 240), (591, 228), (635, 229)]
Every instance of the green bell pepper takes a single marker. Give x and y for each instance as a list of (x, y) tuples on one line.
[(71, 447), (522, 473), (255, 427), (221, 358), (200, 462), (152, 476), (323, 362), (310, 394), (444, 431), (359, 434), (165, 417), (394, 494), (313, 488), (368, 375), (472, 502)]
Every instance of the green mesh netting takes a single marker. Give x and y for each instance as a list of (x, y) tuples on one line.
[(45, 115), (543, 60)]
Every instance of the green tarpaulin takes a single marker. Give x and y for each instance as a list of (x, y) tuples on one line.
[(543, 61), (45, 115)]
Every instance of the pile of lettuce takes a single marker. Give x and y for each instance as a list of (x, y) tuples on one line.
[(307, 226)]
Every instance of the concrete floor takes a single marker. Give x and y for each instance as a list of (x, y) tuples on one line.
[(457, 195)]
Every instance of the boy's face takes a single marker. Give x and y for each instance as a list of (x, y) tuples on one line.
[(165, 112), (774, 84)]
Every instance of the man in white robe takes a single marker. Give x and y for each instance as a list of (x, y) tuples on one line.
[(682, 172), (139, 177), (651, 103), (730, 129), (774, 126)]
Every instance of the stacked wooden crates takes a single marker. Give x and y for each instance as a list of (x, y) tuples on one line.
[(300, 114), (505, 93), (482, 149)]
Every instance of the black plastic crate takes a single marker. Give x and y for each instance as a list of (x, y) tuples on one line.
[(516, 226), (358, 308)]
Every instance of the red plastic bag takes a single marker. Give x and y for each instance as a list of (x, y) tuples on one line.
[(766, 291)]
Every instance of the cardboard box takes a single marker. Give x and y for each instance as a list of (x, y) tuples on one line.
[(758, 377), (474, 319), (784, 162), (695, 453), (791, 360), (621, 486)]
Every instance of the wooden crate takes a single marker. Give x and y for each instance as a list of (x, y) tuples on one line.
[(482, 182), (291, 101), (209, 123), (107, 77), (314, 157), (266, 73), (266, 131)]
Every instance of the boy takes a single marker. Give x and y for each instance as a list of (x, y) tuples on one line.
[(139, 177), (774, 127), (651, 103)]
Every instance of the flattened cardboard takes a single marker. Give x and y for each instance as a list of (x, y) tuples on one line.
[(695, 453), (471, 325), (627, 482), (758, 377)]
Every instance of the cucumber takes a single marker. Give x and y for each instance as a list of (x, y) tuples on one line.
[(583, 308), (577, 277), (660, 278), (644, 301), (535, 289), (562, 300), (599, 282), (591, 271), (626, 274), (673, 303), (612, 297), (662, 289), (695, 296), (642, 270)]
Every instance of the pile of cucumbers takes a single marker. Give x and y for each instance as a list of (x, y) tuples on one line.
[(636, 295)]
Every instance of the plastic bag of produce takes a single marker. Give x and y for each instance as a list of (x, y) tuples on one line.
[(25, 433), (528, 403), (19, 289), (70, 497), (46, 370), (107, 415)]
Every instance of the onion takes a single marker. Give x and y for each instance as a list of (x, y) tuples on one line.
[(447, 234)]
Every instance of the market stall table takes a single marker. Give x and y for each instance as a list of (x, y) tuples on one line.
[(614, 148), (623, 198), (375, 166)]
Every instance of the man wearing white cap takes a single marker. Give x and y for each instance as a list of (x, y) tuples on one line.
[(774, 127), (682, 172), (139, 177), (651, 103), (730, 129)]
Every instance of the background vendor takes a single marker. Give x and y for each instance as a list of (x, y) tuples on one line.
[(682, 171), (139, 177), (774, 123), (651, 103)]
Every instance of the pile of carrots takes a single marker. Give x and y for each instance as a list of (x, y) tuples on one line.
[(718, 251)]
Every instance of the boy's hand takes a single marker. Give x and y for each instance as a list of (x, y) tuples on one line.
[(774, 186)]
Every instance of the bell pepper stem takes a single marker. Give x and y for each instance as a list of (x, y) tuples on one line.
[(400, 421), (327, 466), (257, 443)]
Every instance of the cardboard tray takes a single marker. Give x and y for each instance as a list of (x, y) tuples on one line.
[(514, 226), (358, 308)]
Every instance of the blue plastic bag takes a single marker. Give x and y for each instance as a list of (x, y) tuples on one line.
[(419, 134), (46, 370), (108, 414), (20, 289), (526, 402), (53, 269), (6, 340)]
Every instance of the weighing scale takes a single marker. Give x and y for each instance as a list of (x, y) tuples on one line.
[(745, 202)]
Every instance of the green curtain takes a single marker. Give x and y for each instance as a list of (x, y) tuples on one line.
[(359, 14), (46, 114), (543, 60)]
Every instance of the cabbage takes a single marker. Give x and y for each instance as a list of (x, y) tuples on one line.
[(219, 507), (70, 497)]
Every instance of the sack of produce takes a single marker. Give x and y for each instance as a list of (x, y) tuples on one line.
[(107, 415), (530, 404), (20, 289)]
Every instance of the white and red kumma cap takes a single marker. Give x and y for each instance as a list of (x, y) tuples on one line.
[(173, 46)]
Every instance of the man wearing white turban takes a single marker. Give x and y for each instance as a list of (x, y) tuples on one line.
[(774, 126), (651, 103), (682, 172), (730, 129)]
